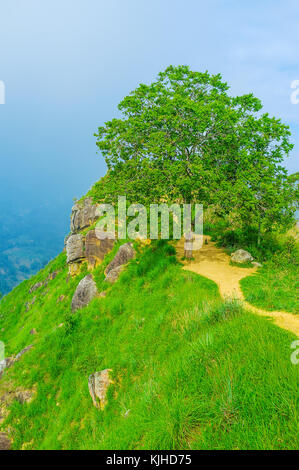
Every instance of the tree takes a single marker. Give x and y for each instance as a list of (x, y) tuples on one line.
[(184, 138), (261, 193), (294, 178)]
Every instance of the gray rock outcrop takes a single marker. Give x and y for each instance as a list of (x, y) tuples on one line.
[(85, 292), (96, 249), (90, 247), (4, 364), (125, 253), (74, 248), (98, 384), (114, 274), (83, 215), (241, 256)]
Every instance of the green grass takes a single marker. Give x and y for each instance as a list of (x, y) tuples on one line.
[(245, 265), (190, 371), (274, 287)]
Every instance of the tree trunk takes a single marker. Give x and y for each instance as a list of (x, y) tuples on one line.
[(259, 234)]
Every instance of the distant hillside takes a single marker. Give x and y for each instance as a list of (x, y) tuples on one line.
[(29, 238)]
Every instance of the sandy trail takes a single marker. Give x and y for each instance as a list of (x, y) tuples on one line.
[(213, 263)]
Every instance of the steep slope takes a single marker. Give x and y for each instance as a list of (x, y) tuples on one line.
[(189, 370)]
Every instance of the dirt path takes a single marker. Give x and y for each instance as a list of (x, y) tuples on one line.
[(212, 262)]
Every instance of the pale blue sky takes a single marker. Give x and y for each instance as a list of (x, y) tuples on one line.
[(66, 64)]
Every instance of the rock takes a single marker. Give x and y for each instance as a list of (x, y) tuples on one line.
[(96, 249), (23, 396), (52, 275), (35, 287), (5, 364), (98, 384), (10, 394), (85, 292), (2, 366), (114, 274), (256, 264), (9, 361), (42, 284), (65, 241), (28, 304), (66, 238), (124, 254), (83, 215), (74, 269), (74, 248), (5, 442), (241, 256)]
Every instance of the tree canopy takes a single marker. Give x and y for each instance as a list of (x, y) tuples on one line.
[(184, 138)]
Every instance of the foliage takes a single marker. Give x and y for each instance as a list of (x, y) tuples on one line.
[(183, 138), (190, 371)]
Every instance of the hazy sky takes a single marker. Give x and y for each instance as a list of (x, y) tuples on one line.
[(66, 64)]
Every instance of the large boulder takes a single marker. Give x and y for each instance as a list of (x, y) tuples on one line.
[(241, 256), (83, 215), (96, 249), (98, 384), (74, 248), (85, 292), (125, 253)]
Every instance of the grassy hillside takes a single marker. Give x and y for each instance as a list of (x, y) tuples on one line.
[(274, 287), (189, 370)]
